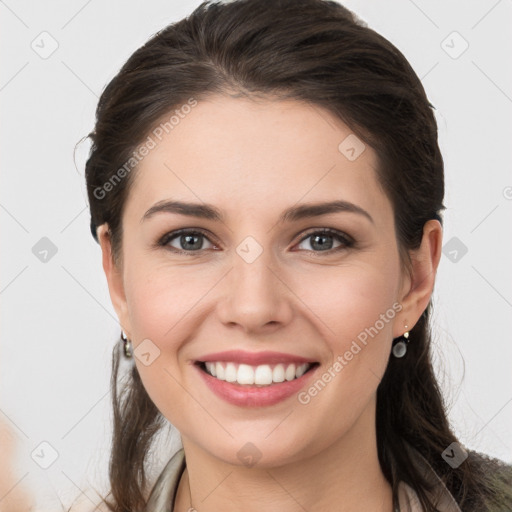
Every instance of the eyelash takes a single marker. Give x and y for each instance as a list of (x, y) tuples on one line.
[(346, 241)]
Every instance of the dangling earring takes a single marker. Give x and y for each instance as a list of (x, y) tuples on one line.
[(400, 344), (127, 345)]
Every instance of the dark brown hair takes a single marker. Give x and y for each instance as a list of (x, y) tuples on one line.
[(319, 52)]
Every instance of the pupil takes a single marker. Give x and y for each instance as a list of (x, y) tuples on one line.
[(186, 239), (322, 245)]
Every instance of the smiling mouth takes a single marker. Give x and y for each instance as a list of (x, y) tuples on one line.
[(260, 375)]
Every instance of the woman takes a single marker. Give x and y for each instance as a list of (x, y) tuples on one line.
[(266, 186)]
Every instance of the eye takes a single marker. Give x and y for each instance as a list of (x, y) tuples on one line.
[(322, 240), (185, 240)]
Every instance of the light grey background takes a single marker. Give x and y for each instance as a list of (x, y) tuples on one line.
[(58, 325)]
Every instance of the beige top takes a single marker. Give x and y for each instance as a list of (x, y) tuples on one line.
[(163, 493)]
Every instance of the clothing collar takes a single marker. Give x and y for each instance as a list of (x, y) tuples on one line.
[(163, 493)]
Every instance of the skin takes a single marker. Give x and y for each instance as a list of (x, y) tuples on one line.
[(15, 496), (252, 160)]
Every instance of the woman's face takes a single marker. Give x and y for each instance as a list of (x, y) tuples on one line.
[(259, 281)]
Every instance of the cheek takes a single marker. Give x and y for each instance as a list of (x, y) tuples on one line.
[(348, 300), (165, 305), (355, 308), (156, 307), (351, 310), (160, 297)]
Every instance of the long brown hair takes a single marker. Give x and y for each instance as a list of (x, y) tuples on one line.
[(315, 51)]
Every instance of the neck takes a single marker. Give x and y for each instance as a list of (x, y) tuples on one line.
[(346, 477)]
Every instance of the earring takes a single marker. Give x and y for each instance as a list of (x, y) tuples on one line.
[(400, 344), (127, 345)]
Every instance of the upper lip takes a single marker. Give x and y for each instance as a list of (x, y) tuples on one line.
[(253, 358)]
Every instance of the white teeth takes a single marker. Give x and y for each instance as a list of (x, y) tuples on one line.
[(245, 374), (261, 375), (290, 372), (301, 370), (278, 373), (230, 373), (211, 368), (219, 369)]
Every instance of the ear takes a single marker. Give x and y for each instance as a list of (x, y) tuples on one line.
[(114, 279), (417, 288)]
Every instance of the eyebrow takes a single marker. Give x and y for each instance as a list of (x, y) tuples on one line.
[(294, 213)]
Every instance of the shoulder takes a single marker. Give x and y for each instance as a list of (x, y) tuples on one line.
[(480, 483), (495, 466), (497, 475), (162, 492)]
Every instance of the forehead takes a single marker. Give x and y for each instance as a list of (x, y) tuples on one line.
[(259, 155)]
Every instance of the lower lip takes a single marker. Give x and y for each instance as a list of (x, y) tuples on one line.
[(254, 396)]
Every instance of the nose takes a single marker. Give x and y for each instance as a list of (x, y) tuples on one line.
[(255, 296)]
